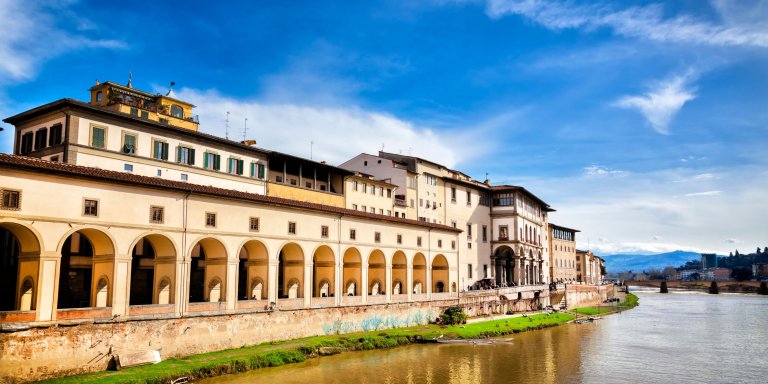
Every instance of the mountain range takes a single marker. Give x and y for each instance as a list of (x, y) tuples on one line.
[(644, 262)]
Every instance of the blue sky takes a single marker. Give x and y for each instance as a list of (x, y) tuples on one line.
[(644, 123)]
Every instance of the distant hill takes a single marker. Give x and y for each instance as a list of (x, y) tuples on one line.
[(638, 263)]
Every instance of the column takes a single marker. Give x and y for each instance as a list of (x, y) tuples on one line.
[(121, 285), (181, 294), (429, 281), (272, 281), (337, 284), (364, 283), (409, 278), (232, 284), (47, 283), (388, 282), (308, 285)]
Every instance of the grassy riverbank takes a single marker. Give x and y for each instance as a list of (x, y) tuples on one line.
[(294, 351), (631, 302)]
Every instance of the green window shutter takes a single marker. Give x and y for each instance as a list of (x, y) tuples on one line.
[(98, 138), (253, 169), (165, 151), (262, 168), (239, 167), (191, 156), (205, 160), (178, 154), (217, 162)]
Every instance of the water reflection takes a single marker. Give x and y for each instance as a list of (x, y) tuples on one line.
[(677, 338)]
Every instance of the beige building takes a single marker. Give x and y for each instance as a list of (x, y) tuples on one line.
[(562, 254), (589, 268), (364, 193)]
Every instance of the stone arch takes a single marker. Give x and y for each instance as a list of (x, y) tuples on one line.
[(86, 252), (352, 270), (504, 265), (208, 261), (419, 273), (440, 276), (290, 276), (377, 272), (20, 247), (152, 255), (323, 271), (253, 265), (399, 273)]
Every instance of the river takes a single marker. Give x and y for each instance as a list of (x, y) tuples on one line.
[(679, 337)]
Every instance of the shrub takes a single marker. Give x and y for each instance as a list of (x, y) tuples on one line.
[(453, 316)]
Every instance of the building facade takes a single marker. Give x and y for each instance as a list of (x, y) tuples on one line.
[(562, 251)]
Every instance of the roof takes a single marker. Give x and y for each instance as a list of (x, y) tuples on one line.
[(37, 165), (398, 158), (77, 104), (561, 227), (468, 183), (514, 188), (342, 171)]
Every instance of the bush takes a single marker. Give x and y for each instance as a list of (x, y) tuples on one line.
[(453, 316)]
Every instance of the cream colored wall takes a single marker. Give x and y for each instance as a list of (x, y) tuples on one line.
[(380, 202), (567, 256), (307, 195), (478, 215)]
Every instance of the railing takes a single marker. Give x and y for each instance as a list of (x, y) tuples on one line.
[(290, 303), (83, 313), (443, 296), (322, 302), (207, 306), (253, 304), (420, 297), (400, 202), (377, 299), (351, 300), (150, 309), (402, 298)]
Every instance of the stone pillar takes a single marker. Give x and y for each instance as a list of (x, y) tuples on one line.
[(181, 294), (47, 286), (409, 278), (388, 282), (232, 270), (364, 283), (429, 281), (308, 285), (272, 277), (121, 285), (337, 284)]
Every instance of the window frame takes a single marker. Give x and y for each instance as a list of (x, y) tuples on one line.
[(10, 192), (251, 221), (84, 211), (93, 127), (153, 217), (291, 227), (163, 144), (208, 222)]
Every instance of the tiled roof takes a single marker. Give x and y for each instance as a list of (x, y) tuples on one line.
[(512, 188), (34, 164)]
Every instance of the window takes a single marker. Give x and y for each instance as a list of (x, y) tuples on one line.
[(485, 270), (163, 120), (291, 228), (399, 239), (184, 177), (134, 112), (412, 203), (41, 138), (294, 182), (381, 191), (453, 223), (389, 212), (159, 172), (11, 199), (211, 161), (156, 214), (381, 211), (145, 114), (26, 144), (503, 232), (365, 187), (235, 166), (354, 207), (412, 182), (365, 209), (322, 187), (418, 241), (469, 271), (504, 199), (129, 143), (278, 179), (257, 170), (354, 185), (440, 243), (308, 184), (185, 155), (365, 163), (55, 135), (453, 244), (176, 111), (324, 231), (160, 150), (373, 190), (90, 207), (99, 96), (469, 231), (377, 237), (352, 234), (430, 180), (469, 245), (98, 137), (389, 192), (128, 167), (453, 194), (485, 233), (210, 219), (373, 210), (55, 159), (469, 197), (253, 224)]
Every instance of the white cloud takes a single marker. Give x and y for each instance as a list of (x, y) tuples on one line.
[(661, 104), (639, 247), (707, 193), (338, 133), (32, 33), (599, 170), (644, 22)]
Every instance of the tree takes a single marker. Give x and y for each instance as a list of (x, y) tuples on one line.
[(730, 254), (737, 253), (741, 273), (669, 272), (758, 251), (765, 250)]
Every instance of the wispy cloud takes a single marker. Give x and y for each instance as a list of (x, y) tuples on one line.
[(660, 104), (644, 22), (706, 193), (599, 170), (33, 32)]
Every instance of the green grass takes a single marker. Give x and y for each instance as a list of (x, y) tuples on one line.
[(591, 311), (294, 351), (631, 301)]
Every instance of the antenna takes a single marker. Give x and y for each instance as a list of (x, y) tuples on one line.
[(226, 127), (382, 147), (245, 128)]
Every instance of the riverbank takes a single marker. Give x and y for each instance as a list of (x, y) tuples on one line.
[(751, 287), (294, 351)]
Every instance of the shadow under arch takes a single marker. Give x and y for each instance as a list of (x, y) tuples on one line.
[(290, 272), (323, 272), (253, 271), (153, 261), (20, 247), (86, 252), (208, 262)]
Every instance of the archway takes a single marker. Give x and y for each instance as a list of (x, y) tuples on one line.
[(323, 272), (86, 253), (253, 271), (153, 260), (352, 277), (419, 273), (19, 262), (377, 273), (208, 266), (504, 263), (439, 274), (290, 276), (399, 273)]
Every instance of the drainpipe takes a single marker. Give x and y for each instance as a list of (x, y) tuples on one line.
[(181, 279)]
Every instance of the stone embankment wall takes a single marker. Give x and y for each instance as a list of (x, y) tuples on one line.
[(587, 295), (40, 353), (503, 300)]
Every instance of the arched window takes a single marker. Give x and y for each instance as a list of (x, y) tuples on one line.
[(176, 111)]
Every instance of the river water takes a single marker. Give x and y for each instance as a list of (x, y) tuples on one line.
[(670, 338)]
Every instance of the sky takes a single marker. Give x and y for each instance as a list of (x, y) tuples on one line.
[(643, 123)]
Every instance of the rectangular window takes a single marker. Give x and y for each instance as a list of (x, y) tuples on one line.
[(129, 144), (354, 185), (291, 228), (373, 210), (440, 243), (453, 223), (41, 138), (26, 143), (253, 224), (160, 150), (159, 172), (184, 177), (134, 112), (412, 204), (373, 190), (156, 214), (235, 166), (399, 239), (352, 234), (145, 114), (210, 219), (377, 237), (90, 207), (485, 233), (185, 155), (55, 136), (128, 167), (294, 182), (365, 208), (453, 194), (485, 270), (308, 184), (389, 193), (324, 231), (381, 211), (504, 199), (469, 271), (381, 191), (453, 244), (469, 245), (98, 137), (55, 159), (261, 171), (365, 187), (469, 197), (11, 199), (354, 206), (503, 232), (469, 231), (211, 161), (418, 241), (389, 212)]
